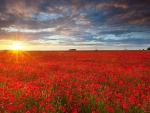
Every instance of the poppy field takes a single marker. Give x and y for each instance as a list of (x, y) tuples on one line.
[(75, 82)]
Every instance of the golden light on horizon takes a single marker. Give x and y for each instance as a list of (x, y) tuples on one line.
[(17, 45)]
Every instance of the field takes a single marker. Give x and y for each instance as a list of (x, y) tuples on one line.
[(75, 82)]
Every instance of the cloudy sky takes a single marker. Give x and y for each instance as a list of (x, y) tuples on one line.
[(80, 24)]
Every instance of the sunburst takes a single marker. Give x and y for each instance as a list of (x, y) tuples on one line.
[(17, 45), (18, 53)]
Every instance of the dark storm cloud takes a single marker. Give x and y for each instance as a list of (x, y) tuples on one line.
[(122, 12), (76, 20)]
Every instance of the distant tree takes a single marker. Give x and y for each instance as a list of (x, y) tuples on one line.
[(148, 48), (72, 49)]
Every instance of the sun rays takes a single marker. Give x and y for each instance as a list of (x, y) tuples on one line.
[(20, 56), (17, 50), (17, 45)]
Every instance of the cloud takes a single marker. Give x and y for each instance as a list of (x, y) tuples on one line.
[(76, 21), (126, 12)]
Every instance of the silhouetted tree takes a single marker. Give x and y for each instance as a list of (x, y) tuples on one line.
[(72, 49), (148, 48)]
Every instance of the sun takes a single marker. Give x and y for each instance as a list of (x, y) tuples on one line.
[(17, 46)]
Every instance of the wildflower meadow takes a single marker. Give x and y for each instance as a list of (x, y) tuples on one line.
[(75, 82)]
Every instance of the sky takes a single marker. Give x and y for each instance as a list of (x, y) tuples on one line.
[(75, 24)]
